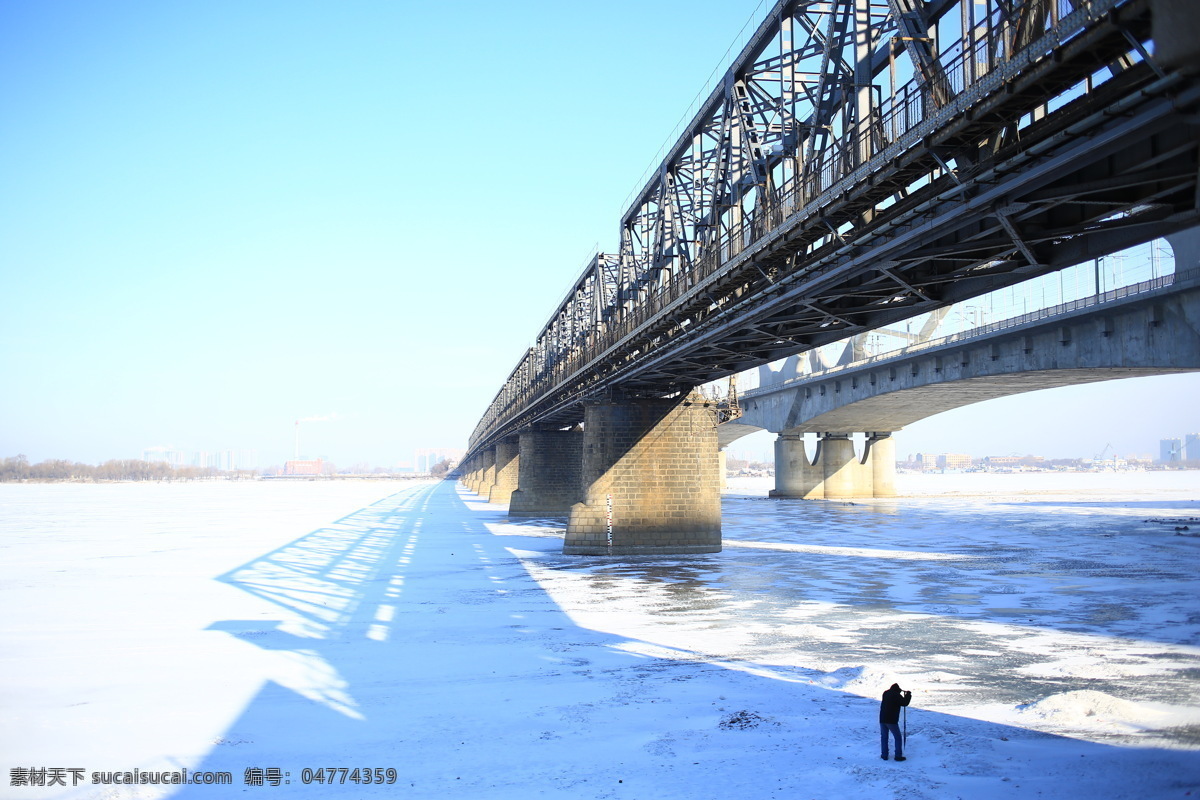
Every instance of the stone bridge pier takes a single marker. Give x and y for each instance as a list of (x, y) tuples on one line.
[(483, 472), (505, 462), (468, 472), (834, 471), (549, 473), (492, 473), (650, 479), (642, 476)]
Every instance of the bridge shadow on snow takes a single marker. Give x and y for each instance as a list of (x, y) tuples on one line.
[(412, 637)]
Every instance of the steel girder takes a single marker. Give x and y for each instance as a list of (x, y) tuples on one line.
[(861, 163)]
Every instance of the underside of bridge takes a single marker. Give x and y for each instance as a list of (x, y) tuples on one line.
[(894, 411), (899, 409)]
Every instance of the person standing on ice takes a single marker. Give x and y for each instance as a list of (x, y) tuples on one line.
[(889, 720)]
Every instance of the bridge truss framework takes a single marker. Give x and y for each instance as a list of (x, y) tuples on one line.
[(861, 163)]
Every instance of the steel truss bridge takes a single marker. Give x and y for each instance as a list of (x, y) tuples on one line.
[(863, 162)]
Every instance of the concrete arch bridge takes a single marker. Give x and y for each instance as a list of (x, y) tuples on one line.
[(1152, 328)]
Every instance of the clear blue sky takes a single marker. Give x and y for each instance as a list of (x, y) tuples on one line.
[(219, 217)]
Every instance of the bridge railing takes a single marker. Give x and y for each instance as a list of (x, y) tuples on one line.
[(1041, 315), (968, 69)]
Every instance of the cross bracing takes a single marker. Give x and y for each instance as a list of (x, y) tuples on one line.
[(861, 163)]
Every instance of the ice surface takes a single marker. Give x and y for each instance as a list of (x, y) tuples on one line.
[(1049, 628)]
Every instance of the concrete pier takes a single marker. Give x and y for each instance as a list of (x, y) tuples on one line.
[(655, 464), (795, 474), (844, 473), (881, 455), (834, 472), (549, 478)]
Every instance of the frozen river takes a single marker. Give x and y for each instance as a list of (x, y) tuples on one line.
[(1000, 587), (1048, 625)]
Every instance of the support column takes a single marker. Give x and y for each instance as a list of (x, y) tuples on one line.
[(656, 461), (480, 466), (845, 475), (881, 455), (507, 461), (486, 472), (795, 475), (476, 474), (548, 476)]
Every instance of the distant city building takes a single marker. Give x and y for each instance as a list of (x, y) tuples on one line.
[(163, 454), (1113, 463), (953, 461), (1191, 447), (1170, 449), (1003, 461), (312, 467), (243, 459), (1013, 461), (427, 457), (933, 461), (226, 460)]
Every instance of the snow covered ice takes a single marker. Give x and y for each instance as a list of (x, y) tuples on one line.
[(1048, 626)]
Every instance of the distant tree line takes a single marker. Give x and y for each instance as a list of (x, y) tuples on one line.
[(18, 468), (1066, 463), (733, 464)]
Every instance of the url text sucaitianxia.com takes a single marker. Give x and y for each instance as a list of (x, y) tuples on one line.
[(252, 776), (58, 776)]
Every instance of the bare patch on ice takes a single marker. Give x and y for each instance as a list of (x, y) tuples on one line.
[(744, 720)]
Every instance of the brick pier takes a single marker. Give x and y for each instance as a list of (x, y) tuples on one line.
[(657, 462), (549, 478)]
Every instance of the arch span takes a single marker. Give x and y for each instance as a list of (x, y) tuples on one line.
[(1154, 334)]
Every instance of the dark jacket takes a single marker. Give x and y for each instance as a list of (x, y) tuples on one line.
[(889, 707)]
